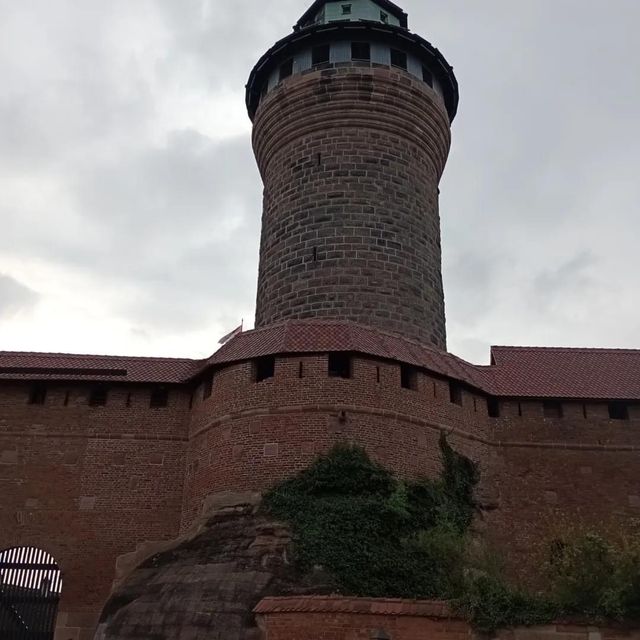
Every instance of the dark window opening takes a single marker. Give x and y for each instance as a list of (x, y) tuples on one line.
[(191, 401), (286, 69), (552, 409), (98, 397), (346, 9), (67, 397), (159, 398), (301, 370), (475, 405), (339, 365), (408, 377), (129, 396), (398, 59), (455, 393), (584, 411), (264, 368), (360, 51), (520, 409), (618, 411), (315, 254), (207, 387), (384, 17), (378, 375), (320, 55), (493, 407), (38, 394), (427, 76)]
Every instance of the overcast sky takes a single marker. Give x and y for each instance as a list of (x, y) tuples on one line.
[(130, 203)]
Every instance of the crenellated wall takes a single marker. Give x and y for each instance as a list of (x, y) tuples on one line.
[(88, 484), (250, 435)]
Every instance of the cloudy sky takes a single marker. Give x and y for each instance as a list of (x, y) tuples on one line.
[(130, 202)]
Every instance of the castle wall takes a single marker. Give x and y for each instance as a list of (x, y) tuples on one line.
[(88, 484), (540, 476), (250, 435), (351, 158), (555, 476)]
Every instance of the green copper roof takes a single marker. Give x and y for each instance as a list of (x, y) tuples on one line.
[(328, 11)]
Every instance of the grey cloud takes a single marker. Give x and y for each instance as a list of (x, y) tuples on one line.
[(539, 199), (15, 298)]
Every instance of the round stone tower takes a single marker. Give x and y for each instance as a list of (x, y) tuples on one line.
[(352, 116)]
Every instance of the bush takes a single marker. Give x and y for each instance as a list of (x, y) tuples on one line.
[(592, 577)]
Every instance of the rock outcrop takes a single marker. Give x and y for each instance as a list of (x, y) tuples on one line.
[(205, 585)]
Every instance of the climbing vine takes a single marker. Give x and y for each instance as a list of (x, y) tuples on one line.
[(374, 535)]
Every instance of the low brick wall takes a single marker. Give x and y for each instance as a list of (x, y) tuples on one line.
[(337, 618)]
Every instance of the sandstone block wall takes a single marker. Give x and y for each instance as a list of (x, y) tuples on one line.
[(351, 158)]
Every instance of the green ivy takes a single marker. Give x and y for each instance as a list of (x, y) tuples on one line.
[(377, 536)]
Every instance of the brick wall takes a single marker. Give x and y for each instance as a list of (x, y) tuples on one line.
[(540, 476), (250, 435), (555, 476), (337, 618), (88, 484), (351, 158)]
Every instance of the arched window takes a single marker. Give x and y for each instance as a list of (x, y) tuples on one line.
[(30, 588)]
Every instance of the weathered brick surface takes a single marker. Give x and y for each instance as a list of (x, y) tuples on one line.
[(351, 158), (232, 432), (87, 483), (337, 618), (90, 484)]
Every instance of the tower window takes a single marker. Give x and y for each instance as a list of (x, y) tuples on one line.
[(38, 394), (98, 397), (207, 387), (286, 69), (455, 393), (384, 17), (360, 51), (552, 409), (346, 9), (618, 411), (320, 55), (427, 76), (159, 398), (264, 368), (339, 365), (409, 377), (398, 59), (493, 407)]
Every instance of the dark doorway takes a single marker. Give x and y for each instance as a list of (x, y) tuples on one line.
[(30, 587)]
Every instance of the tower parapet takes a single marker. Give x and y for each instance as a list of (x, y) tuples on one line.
[(351, 133)]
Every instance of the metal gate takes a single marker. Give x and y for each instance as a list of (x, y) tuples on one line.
[(30, 587)]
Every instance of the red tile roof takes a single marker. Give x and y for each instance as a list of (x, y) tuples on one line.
[(340, 604), (524, 372), (62, 366), (541, 372), (321, 336)]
